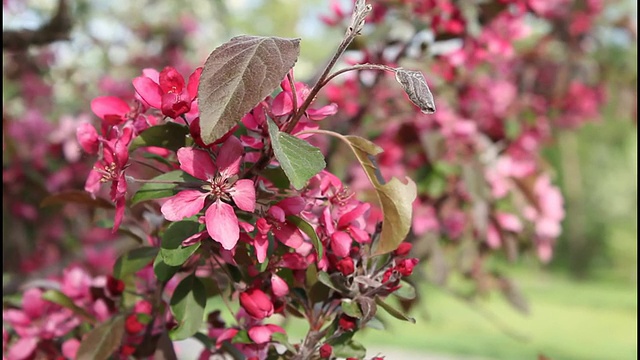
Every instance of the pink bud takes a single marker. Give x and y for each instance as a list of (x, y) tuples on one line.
[(347, 323), (345, 266), (256, 303), (403, 249), (132, 325), (115, 286), (325, 351), (70, 348), (405, 267), (143, 306), (279, 286)]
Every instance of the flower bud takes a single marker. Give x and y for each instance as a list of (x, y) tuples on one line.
[(345, 266), (132, 325), (405, 267), (256, 303), (115, 286), (403, 249), (279, 286), (347, 323), (325, 351), (143, 307)]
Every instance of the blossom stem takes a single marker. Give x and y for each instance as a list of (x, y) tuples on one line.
[(358, 67), (346, 41)]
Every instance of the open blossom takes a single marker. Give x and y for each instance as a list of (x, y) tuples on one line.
[(110, 168), (220, 186), (167, 91)]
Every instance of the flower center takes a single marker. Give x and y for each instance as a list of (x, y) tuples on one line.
[(109, 173), (342, 196), (220, 188)]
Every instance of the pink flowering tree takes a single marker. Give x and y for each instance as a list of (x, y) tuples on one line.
[(232, 180)]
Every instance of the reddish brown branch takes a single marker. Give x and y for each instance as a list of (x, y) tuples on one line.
[(56, 29)]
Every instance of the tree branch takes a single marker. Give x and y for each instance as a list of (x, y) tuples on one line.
[(58, 28)]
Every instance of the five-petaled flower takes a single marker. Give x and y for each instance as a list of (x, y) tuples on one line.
[(219, 184)]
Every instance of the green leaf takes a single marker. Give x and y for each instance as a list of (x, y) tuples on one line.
[(187, 305), (237, 76), (177, 257), (163, 271), (103, 341), (311, 233), (170, 136), (241, 337), (284, 340), (394, 312), (396, 198), (172, 251), (375, 323), (351, 308), (348, 349), (405, 292), (205, 340), (277, 177), (151, 190), (77, 197), (134, 260), (299, 159), (57, 297), (324, 278)]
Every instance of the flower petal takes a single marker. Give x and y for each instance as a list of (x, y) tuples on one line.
[(22, 348), (170, 80), (104, 106), (184, 204), (197, 163), (149, 91), (279, 286), (229, 157), (282, 104), (88, 138), (243, 193), (92, 185), (323, 112), (261, 243), (288, 234), (222, 224), (226, 335), (352, 215), (341, 243), (260, 334), (293, 205), (152, 74), (359, 235), (194, 80)]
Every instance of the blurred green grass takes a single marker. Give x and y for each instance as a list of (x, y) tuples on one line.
[(568, 320)]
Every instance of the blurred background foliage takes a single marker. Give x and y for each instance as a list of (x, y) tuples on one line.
[(584, 303)]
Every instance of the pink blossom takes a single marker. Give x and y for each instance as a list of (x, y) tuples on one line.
[(110, 168), (168, 92), (275, 221), (220, 185)]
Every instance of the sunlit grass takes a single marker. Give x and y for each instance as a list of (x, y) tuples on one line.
[(568, 320)]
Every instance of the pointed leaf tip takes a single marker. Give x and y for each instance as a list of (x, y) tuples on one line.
[(237, 76)]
